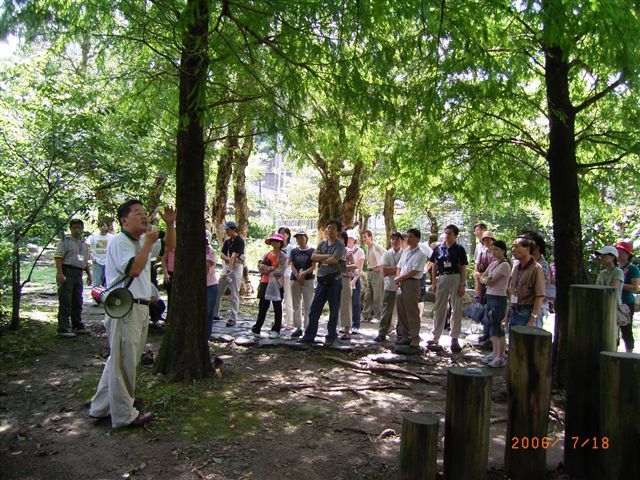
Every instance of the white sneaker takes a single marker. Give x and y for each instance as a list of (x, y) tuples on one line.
[(498, 362), (67, 334), (489, 358), (273, 334)]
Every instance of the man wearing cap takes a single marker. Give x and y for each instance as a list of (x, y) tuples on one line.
[(374, 292), (232, 254), (302, 268), (448, 279), (71, 258), (629, 288), (129, 258), (527, 286), (390, 261), (328, 255)]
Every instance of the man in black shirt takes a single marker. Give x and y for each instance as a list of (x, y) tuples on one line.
[(232, 254), (448, 280)]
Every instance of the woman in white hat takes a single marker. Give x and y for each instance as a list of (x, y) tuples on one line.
[(610, 274)]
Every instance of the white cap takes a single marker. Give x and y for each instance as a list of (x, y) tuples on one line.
[(610, 250)]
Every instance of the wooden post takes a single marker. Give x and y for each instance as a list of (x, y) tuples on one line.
[(419, 447), (592, 329), (466, 427), (529, 388), (617, 443)]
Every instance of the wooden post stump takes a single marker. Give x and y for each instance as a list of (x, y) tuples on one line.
[(529, 388), (592, 329), (466, 427), (619, 438), (419, 447)]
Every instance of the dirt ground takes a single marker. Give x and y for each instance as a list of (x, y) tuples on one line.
[(319, 416)]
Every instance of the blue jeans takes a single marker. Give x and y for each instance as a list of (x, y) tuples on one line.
[(97, 272), (355, 305), (498, 306), (520, 316), (212, 298), (329, 292)]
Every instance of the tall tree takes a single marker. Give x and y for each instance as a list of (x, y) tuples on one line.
[(178, 359)]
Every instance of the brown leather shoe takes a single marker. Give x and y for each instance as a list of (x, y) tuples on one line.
[(141, 419)]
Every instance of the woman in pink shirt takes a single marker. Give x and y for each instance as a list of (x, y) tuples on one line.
[(212, 287)]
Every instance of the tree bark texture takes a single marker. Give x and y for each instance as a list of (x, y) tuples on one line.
[(16, 288), (184, 354), (563, 183), (240, 163), (223, 178), (419, 447), (529, 388), (388, 211), (466, 427), (619, 416), (352, 195), (592, 329), (329, 202)]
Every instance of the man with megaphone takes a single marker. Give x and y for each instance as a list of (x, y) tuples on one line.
[(128, 265)]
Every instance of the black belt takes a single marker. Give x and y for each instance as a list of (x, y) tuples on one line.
[(71, 266), (142, 301), (449, 273)]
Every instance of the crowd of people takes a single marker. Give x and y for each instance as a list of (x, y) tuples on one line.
[(298, 281)]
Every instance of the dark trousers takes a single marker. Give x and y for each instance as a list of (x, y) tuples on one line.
[(355, 305), (329, 292), (263, 307), (70, 299), (627, 331)]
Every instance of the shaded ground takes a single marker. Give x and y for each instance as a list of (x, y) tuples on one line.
[(277, 412)]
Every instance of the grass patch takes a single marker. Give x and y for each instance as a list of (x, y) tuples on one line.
[(18, 348), (206, 410)]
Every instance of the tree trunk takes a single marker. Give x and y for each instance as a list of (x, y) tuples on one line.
[(241, 161), (352, 195), (389, 213), (184, 354), (434, 231), (155, 195), (223, 178), (563, 182), (16, 288), (329, 203)]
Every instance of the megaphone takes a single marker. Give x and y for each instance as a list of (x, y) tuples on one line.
[(118, 302)]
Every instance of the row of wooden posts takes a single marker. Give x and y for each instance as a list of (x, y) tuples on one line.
[(602, 412)]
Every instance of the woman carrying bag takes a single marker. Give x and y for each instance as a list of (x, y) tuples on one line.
[(271, 289)]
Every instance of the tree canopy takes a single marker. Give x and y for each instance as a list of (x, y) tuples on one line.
[(499, 107)]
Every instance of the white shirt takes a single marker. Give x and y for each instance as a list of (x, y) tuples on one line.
[(98, 244), (413, 259), (390, 258), (121, 251)]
